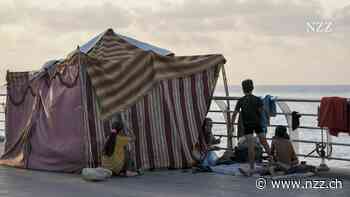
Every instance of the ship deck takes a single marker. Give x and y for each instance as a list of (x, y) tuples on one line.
[(27, 183)]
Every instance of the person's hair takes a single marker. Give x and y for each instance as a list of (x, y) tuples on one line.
[(108, 148), (207, 134), (206, 122), (281, 132), (247, 85), (111, 140), (117, 125)]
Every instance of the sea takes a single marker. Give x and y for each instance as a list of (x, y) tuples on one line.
[(282, 91)]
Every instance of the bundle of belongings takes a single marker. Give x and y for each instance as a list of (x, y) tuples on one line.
[(281, 170), (241, 151), (209, 161), (334, 114), (284, 161), (96, 174)]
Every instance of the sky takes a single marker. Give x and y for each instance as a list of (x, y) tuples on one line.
[(265, 40)]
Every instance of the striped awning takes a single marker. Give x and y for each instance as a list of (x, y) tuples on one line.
[(126, 73)]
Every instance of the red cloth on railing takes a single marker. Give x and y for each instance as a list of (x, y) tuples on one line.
[(335, 115), (349, 116)]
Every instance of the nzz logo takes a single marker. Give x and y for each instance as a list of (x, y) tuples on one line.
[(319, 26)]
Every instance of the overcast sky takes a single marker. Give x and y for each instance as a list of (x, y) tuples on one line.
[(266, 40)]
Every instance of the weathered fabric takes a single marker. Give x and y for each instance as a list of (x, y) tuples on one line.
[(162, 100), (127, 73), (57, 142), (167, 122), (97, 128), (20, 105), (50, 133)]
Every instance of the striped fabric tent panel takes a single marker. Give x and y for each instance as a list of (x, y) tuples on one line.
[(167, 122), (164, 99), (127, 73)]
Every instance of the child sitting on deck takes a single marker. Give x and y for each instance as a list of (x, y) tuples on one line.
[(116, 157), (284, 157)]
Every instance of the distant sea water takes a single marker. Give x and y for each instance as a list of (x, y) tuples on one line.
[(282, 91)]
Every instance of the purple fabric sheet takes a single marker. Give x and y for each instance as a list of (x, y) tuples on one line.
[(57, 140), (16, 117)]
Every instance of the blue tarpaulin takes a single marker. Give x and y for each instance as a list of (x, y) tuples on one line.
[(85, 48)]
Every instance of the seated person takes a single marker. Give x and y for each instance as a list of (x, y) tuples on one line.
[(284, 157), (203, 154), (116, 157), (207, 130), (203, 158)]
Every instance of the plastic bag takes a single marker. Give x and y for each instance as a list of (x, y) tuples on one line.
[(96, 174)]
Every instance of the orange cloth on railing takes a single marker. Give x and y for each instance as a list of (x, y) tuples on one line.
[(334, 114)]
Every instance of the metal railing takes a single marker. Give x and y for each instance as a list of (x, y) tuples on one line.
[(2, 121), (230, 138), (2, 110)]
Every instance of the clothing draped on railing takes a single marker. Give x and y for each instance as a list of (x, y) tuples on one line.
[(334, 114)]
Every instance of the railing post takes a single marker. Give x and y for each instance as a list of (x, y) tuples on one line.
[(294, 135), (229, 127)]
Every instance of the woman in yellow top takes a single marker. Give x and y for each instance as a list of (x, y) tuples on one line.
[(116, 156)]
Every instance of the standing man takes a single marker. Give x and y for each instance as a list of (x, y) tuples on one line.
[(249, 106)]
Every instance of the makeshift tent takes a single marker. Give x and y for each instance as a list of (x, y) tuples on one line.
[(58, 119)]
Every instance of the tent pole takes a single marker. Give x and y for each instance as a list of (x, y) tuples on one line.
[(228, 115)]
